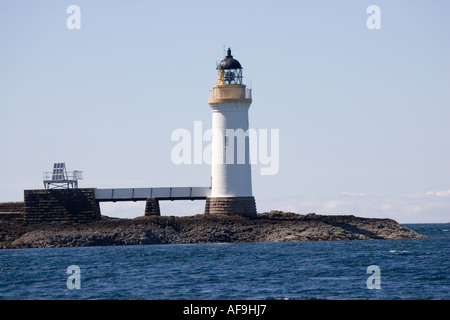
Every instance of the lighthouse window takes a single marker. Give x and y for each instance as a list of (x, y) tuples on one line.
[(233, 76), (229, 77)]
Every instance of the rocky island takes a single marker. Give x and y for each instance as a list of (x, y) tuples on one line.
[(274, 226)]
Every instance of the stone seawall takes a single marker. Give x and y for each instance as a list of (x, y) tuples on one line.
[(12, 207), (12, 212), (61, 205)]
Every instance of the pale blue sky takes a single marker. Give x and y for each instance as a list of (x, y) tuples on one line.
[(363, 114)]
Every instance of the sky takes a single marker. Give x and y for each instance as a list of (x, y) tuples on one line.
[(363, 114)]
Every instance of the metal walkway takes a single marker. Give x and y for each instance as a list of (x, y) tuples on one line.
[(141, 194)]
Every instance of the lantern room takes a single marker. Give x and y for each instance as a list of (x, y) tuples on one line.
[(229, 70), (229, 85)]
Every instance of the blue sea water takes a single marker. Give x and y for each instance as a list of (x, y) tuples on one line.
[(409, 269)]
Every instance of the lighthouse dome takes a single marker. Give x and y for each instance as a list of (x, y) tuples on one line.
[(229, 62)]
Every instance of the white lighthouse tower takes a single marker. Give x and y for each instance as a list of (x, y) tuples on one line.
[(231, 180)]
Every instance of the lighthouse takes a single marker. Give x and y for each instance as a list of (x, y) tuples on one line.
[(231, 180)]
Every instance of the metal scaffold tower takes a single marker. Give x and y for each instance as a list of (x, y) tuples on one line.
[(60, 178)]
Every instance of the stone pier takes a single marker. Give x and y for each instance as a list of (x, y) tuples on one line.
[(61, 205), (152, 207)]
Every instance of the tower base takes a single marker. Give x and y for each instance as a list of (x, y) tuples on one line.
[(239, 206)]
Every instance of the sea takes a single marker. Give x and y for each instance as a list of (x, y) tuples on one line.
[(413, 269)]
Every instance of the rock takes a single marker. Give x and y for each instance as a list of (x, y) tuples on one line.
[(274, 226)]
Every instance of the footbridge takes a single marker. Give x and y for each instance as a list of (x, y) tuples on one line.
[(142, 194)]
